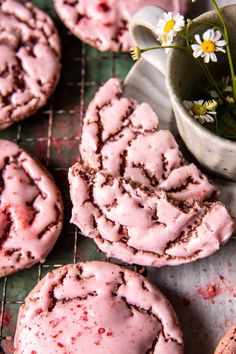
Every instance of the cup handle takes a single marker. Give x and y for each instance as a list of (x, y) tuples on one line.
[(142, 30)]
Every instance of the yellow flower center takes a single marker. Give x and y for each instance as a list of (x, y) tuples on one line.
[(164, 39), (199, 110), (169, 25), (208, 46)]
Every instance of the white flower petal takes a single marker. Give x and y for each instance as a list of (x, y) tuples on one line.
[(169, 37), (200, 102), (188, 104), (212, 35), (178, 27), (220, 43), (198, 39), (195, 46), (206, 57), (206, 35), (217, 35), (176, 16), (211, 112), (181, 21), (208, 118), (160, 27), (200, 119), (213, 57), (199, 50), (172, 33), (197, 53), (218, 49), (161, 22), (168, 16)]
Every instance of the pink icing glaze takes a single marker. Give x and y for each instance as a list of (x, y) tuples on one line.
[(28, 40), (30, 210), (145, 226), (104, 23), (94, 308), (122, 138)]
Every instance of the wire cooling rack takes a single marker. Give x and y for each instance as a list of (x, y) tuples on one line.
[(53, 135), (203, 293)]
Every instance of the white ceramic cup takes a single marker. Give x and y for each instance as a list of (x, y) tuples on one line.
[(182, 75)]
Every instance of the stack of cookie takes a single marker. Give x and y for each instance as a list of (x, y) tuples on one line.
[(132, 192)]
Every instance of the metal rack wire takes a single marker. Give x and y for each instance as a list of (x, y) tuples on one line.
[(53, 136)]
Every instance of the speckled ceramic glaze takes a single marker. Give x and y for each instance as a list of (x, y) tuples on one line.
[(182, 75)]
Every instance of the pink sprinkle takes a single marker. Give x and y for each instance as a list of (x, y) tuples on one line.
[(101, 330)]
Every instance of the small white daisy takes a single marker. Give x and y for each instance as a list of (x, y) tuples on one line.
[(226, 89), (168, 26), (212, 42), (211, 105), (200, 111), (135, 53)]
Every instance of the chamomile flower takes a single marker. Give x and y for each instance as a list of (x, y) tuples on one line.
[(135, 53), (168, 26), (211, 105), (226, 89), (200, 110), (229, 99), (212, 42)]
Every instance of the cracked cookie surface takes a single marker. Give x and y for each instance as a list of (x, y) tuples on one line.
[(144, 225), (104, 23), (31, 210), (97, 307), (29, 60), (123, 138)]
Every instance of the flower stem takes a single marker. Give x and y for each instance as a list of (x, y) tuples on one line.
[(210, 78), (162, 47), (226, 36), (213, 81), (207, 23), (187, 34)]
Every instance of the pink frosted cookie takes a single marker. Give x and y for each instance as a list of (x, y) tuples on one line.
[(29, 60), (31, 210), (123, 138), (96, 308), (143, 225), (104, 23)]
